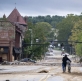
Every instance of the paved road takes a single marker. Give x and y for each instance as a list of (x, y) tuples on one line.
[(42, 71), (39, 73)]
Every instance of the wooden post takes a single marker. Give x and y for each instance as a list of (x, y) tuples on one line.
[(10, 51)]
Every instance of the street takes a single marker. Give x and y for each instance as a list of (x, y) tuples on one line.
[(48, 69)]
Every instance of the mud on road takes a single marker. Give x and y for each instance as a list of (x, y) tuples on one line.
[(45, 73)]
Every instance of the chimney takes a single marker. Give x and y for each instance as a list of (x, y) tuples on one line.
[(25, 18)]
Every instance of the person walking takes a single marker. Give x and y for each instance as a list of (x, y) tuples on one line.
[(64, 62)]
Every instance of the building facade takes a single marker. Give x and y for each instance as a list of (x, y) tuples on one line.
[(11, 35)]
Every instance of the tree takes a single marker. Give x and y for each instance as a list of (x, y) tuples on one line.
[(65, 28), (52, 20), (76, 36), (41, 31), (78, 46)]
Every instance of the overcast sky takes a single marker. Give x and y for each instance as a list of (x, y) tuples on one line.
[(41, 7)]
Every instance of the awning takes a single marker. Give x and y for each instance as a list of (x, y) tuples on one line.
[(17, 50)]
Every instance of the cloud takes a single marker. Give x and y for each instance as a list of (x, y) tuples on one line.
[(41, 7)]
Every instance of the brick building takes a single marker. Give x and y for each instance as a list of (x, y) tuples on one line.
[(11, 36)]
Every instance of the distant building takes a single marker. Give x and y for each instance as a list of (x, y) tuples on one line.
[(11, 36)]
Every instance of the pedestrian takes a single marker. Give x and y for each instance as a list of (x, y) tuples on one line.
[(64, 62)]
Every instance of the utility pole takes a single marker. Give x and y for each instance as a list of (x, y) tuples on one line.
[(31, 36)]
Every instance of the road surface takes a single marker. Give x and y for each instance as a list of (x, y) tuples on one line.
[(44, 70)]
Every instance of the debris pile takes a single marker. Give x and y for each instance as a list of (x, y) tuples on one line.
[(43, 71), (16, 63)]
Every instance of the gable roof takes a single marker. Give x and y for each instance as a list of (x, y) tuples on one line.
[(16, 17)]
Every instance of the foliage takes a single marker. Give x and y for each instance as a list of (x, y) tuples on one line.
[(65, 27), (40, 31), (77, 37), (52, 20), (78, 46), (3, 18)]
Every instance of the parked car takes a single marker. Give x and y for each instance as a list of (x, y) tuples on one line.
[(49, 53), (27, 60)]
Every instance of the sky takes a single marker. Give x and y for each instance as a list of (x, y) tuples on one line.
[(41, 7)]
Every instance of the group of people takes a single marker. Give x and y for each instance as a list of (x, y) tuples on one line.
[(66, 61)]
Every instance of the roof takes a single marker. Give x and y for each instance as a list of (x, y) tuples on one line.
[(16, 17)]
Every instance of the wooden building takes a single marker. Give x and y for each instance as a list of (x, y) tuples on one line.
[(11, 36)]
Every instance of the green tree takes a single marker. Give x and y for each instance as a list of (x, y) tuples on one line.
[(52, 20), (41, 31), (76, 36), (78, 46), (65, 27)]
